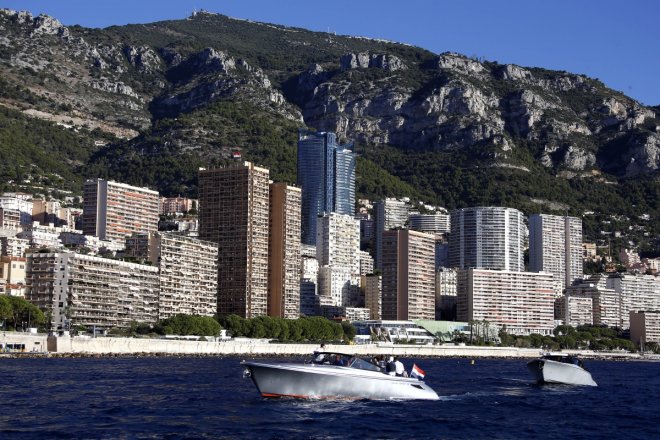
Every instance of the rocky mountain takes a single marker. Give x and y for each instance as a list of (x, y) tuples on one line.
[(152, 102)]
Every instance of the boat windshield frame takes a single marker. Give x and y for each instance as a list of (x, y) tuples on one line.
[(344, 360), (565, 359)]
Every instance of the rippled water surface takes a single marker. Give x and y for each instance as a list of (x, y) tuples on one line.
[(112, 398)]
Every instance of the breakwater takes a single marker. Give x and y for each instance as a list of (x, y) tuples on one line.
[(109, 346)]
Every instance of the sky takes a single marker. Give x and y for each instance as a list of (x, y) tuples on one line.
[(616, 41)]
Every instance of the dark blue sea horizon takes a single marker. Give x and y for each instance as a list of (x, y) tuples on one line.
[(175, 397)]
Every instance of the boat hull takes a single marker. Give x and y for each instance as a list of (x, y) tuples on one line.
[(312, 381), (548, 371)]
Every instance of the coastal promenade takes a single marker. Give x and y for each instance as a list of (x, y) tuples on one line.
[(100, 346)]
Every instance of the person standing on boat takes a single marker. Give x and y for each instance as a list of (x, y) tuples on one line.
[(399, 369), (390, 368), (318, 353)]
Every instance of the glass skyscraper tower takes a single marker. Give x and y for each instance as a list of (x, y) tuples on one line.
[(326, 175)]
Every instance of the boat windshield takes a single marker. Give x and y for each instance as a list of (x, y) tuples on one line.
[(344, 360), (361, 364), (564, 359)]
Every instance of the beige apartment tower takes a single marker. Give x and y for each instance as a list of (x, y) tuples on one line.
[(408, 283), (234, 213), (523, 302), (284, 251), (113, 211)]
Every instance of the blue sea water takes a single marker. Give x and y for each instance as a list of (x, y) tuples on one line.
[(155, 397)]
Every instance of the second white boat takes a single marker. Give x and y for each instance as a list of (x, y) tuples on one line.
[(560, 368)]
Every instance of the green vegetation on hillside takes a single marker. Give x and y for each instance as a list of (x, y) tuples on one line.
[(40, 152)]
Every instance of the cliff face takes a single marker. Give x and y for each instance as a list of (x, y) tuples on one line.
[(123, 80)]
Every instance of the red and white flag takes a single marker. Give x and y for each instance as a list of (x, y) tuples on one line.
[(417, 372)]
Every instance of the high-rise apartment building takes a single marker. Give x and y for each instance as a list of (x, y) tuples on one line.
[(344, 194), (555, 246), (309, 269), (636, 293), (487, 238), (521, 302), (326, 175), (388, 214), (234, 213), (284, 251), (445, 294), (113, 211), (408, 275), (76, 289), (338, 255)]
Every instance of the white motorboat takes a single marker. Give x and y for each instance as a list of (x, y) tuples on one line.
[(334, 376), (560, 368)]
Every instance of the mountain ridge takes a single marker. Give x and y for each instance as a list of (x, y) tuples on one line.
[(156, 100)]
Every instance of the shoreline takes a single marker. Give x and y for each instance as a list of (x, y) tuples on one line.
[(591, 357), (72, 347)]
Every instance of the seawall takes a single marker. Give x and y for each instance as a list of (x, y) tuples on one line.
[(108, 346)]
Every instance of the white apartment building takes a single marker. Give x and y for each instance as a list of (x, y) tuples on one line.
[(487, 238), (43, 236), (309, 269), (522, 302), (366, 263), (338, 255), (23, 206), (78, 289), (589, 304), (389, 214), (76, 239), (10, 219), (13, 246), (336, 286), (555, 246), (437, 223), (637, 293)]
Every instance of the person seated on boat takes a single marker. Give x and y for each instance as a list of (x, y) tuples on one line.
[(390, 368), (399, 369), (340, 361)]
